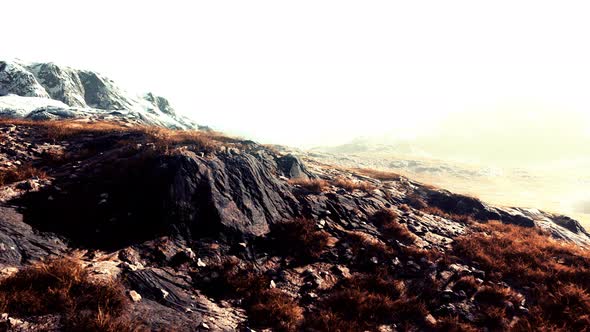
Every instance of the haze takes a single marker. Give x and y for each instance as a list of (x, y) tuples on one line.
[(501, 83)]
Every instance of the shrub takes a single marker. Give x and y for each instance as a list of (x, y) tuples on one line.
[(387, 221), (414, 200), (312, 185), (365, 247), (466, 284), (351, 185), (273, 308), (8, 176), (63, 287), (299, 238), (376, 174), (266, 307), (556, 275)]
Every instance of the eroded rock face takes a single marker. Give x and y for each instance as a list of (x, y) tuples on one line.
[(292, 167), (16, 79), (21, 244)]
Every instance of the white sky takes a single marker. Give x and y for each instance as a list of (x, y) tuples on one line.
[(321, 72)]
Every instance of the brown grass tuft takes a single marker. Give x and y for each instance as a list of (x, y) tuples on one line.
[(555, 274), (351, 185), (266, 307), (376, 174), (312, 185), (299, 238), (8, 176), (387, 221), (63, 287)]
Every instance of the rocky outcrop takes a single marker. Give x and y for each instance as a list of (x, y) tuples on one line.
[(47, 91), (16, 79), (21, 244)]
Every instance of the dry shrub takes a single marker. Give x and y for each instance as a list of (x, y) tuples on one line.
[(493, 318), (328, 321), (376, 174), (365, 247), (299, 238), (405, 208), (369, 309), (387, 221), (453, 324), (24, 172), (556, 274), (273, 308), (229, 279), (169, 138), (162, 138), (266, 307), (414, 200), (63, 287), (351, 185), (496, 296), (312, 185), (64, 129), (468, 284)]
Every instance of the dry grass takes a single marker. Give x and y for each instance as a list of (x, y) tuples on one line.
[(273, 308), (299, 238), (365, 248), (376, 174), (312, 185), (414, 200), (162, 138), (367, 301), (63, 287), (468, 284), (462, 218), (387, 221), (266, 307), (556, 274), (24, 172), (351, 185)]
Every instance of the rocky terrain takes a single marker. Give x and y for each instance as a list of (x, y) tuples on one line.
[(46, 91), (173, 230), (116, 216)]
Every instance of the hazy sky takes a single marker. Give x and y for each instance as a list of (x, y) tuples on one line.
[(309, 72)]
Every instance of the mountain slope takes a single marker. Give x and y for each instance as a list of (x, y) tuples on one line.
[(48, 91), (207, 232)]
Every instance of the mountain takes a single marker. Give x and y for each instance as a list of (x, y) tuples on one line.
[(126, 223), (43, 91)]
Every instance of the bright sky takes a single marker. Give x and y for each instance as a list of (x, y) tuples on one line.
[(321, 72)]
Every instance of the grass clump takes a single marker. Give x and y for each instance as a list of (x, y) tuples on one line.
[(388, 222), (11, 175), (555, 276), (299, 238), (63, 287), (350, 185), (315, 186), (266, 307)]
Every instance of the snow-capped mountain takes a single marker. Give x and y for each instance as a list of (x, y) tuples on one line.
[(42, 91)]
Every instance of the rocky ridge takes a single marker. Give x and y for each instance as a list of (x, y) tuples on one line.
[(46, 91)]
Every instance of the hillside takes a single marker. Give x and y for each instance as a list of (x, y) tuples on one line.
[(118, 214), (111, 227)]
